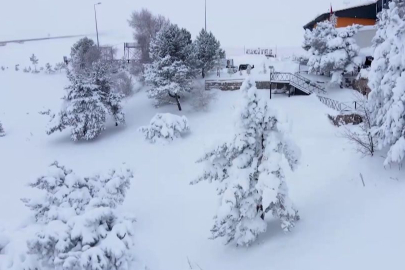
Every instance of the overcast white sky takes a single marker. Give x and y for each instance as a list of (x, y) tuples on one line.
[(234, 22)]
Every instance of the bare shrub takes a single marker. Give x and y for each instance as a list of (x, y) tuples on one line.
[(346, 119), (362, 139), (145, 26)]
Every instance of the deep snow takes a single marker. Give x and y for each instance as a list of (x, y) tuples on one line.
[(344, 225)]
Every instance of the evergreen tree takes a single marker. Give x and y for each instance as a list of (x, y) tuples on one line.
[(83, 54), (78, 225), (386, 80), (101, 76), (172, 69), (250, 173), (2, 132), (49, 68), (208, 51), (34, 60), (332, 51), (87, 103)]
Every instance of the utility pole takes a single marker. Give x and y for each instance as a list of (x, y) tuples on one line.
[(205, 15), (95, 18)]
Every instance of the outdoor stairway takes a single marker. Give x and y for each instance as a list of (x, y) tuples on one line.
[(303, 84)]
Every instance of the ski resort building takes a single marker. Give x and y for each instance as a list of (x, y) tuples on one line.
[(362, 14)]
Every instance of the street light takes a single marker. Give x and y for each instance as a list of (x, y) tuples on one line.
[(95, 18), (205, 15), (271, 69)]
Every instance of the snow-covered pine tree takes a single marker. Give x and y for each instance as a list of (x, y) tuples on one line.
[(82, 110), (79, 227), (83, 54), (333, 19), (220, 55), (34, 60), (88, 101), (387, 82), (172, 70), (2, 132), (250, 173), (101, 76), (332, 51), (208, 51), (49, 68)]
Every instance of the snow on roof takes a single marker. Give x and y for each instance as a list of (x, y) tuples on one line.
[(353, 4), (345, 4)]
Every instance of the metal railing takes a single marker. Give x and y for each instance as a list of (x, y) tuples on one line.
[(335, 105), (298, 81)]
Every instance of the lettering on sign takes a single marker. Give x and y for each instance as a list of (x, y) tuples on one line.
[(259, 51)]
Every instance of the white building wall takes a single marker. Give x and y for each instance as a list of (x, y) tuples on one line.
[(365, 36)]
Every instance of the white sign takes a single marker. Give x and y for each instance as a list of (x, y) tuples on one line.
[(259, 51)]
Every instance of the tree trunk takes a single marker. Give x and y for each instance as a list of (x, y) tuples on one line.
[(178, 102), (177, 97)]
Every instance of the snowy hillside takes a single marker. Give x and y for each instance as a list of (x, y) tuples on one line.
[(344, 224)]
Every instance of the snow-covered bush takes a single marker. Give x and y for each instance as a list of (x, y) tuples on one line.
[(89, 99), (60, 66), (77, 224), (250, 172), (387, 82), (332, 50), (2, 132), (165, 127), (173, 65), (123, 84)]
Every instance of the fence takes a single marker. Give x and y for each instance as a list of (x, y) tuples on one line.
[(334, 104)]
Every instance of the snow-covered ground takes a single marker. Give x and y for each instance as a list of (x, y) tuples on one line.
[(344, 225)]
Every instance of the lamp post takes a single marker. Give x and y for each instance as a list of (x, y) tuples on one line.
[(95, 18), (205, 15), (271, 69)]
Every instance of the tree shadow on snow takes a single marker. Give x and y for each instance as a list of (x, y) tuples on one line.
[(110, 132), (273, 232)]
